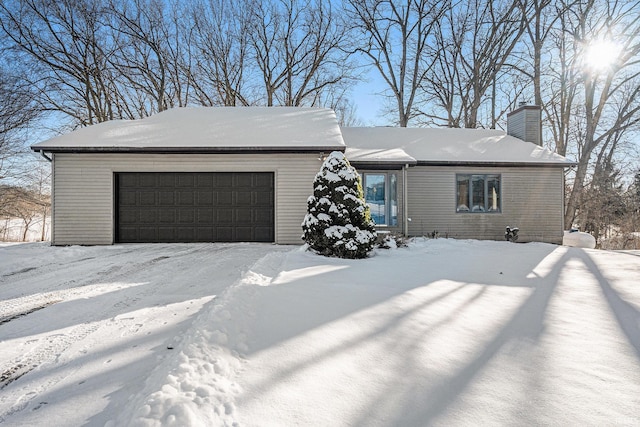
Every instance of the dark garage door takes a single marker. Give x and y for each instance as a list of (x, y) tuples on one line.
[(194, 207)]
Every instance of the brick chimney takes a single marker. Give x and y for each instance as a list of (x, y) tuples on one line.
[(525, 123)]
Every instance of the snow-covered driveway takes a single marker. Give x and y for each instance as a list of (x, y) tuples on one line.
[(81, 328)]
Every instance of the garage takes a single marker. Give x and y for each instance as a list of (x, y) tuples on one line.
[(191, 174), (174, 207)]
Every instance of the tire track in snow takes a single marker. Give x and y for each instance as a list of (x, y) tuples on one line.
[(12, 309), (50, 348), (12, 314), (106, 264), (15, 308), (52, 267)]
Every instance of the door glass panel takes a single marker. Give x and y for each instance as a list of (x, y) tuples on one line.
[(393, 199), (374, 189)]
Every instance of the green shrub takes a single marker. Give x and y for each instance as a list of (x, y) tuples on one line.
[(338, 222)]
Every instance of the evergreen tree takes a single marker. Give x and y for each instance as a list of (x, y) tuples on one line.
[(338, 222), (603, 202), (636, 191)]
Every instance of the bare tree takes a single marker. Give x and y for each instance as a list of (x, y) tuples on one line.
[(395, 37), (298, 46), (475, 39), (143, 59), (24, 204), (17, 110), (220, 43), (611, 95), (603, 204), (66, 50), (562, 82)]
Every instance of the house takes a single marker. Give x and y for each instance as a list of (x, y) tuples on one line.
[(245, 173)]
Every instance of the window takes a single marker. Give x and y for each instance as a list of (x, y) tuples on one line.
[(381, 194), (478, 193)]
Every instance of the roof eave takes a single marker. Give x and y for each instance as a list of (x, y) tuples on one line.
[(393, 165), (494, 164), (187, 150)]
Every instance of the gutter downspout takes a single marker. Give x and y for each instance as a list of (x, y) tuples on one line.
[(52, 209), (405, 202), (43, 154)]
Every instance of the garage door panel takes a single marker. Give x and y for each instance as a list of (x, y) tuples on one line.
[(263, 180), (224, 198), (128, 180), (263, 217), (148, 198), (205, 216), (242, 216), (148, 217), (185, 179), (128, 233), (243, 234), (261, 198), (224, 234), (243, 180), (204, 198), (205, 234), (128, 198), (185, 198), (167, 216), (243, 198), (263, 234), (166, 234), (224, 180), (148, 234), (224, 216), (186, 216), (166, 198), (194, 207), (167, 180), (129, 217), (205, 180), (185, 234), (147, 180)]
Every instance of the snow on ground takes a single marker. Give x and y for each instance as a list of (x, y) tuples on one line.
[(83, 329), (12, 230), (445, 332)]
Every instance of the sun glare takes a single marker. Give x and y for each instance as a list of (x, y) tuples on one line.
[(600, 55)]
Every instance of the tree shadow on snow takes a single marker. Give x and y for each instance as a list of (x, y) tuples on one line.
[(528, 323), (299, 315), (627, 315), (423, 404)]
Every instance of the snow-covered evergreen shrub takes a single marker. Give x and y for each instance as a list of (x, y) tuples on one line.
[(338, 222)]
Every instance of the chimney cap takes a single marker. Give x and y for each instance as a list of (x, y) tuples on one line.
[(524, 107), (522, 103)]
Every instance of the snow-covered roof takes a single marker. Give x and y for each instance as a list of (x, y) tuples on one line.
[(445, 146), (379, 156), (203, 129)]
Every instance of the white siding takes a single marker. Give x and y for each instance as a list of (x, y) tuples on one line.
[(83, 188), (532, 199)]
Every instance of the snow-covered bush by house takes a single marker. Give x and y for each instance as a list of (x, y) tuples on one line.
[(338, 222), (391, 241)]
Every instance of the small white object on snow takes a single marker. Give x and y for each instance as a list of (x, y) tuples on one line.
[(578, 239)]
